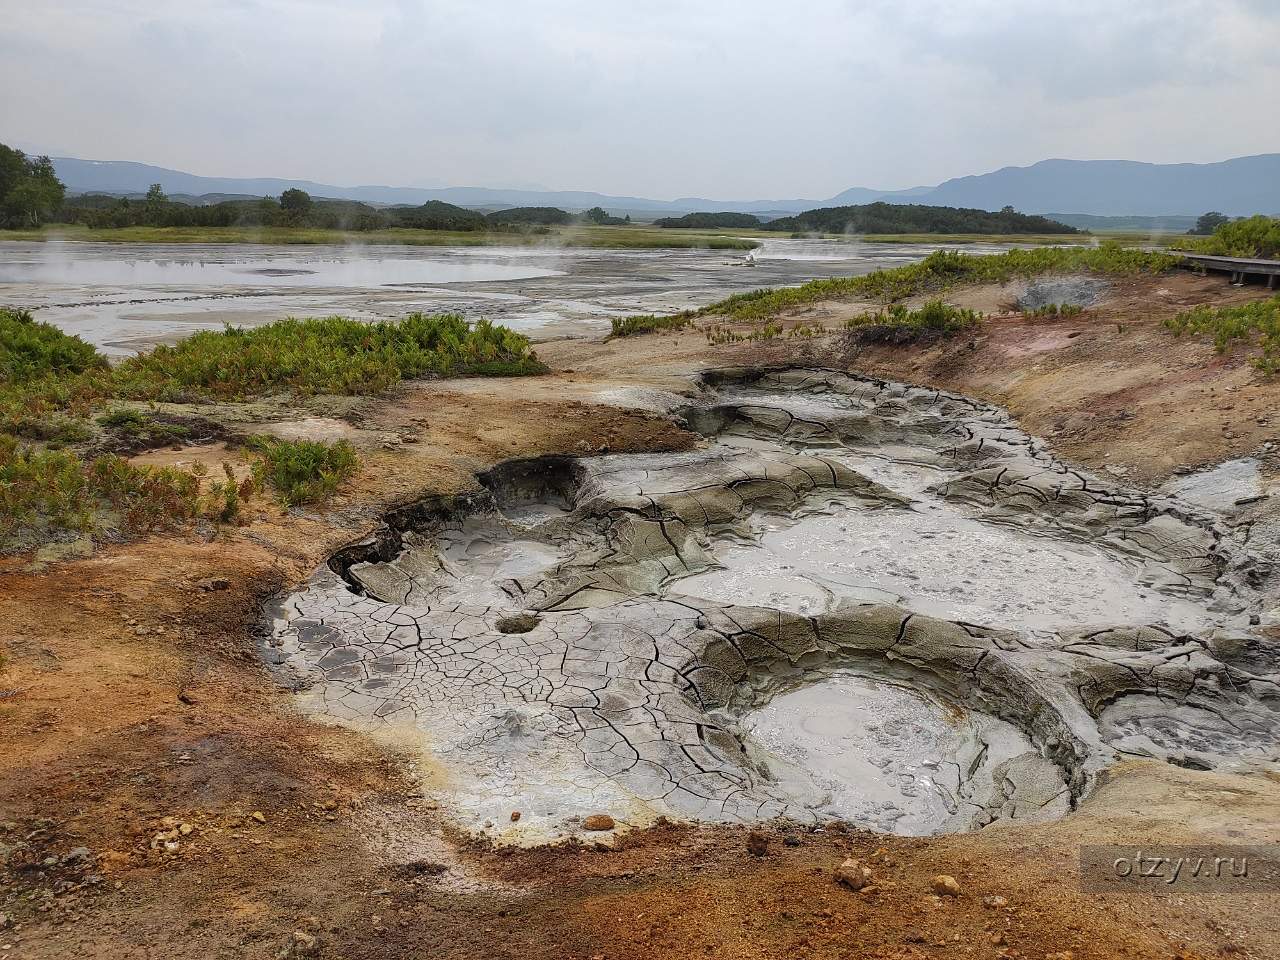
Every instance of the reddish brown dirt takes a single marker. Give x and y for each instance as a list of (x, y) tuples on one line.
[(132, 702)]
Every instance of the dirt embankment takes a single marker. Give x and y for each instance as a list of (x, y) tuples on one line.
[(138, 723)]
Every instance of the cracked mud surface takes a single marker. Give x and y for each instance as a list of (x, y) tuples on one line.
[(576, 638)]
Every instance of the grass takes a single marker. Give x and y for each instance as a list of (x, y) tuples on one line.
[(142, 428), (1251, 237), (934, 317), (1245, 322), (324, 355), (47, 492), (1055, 310), (649, 323), (51, 383), (638, 236), (303, 471), (939, 271)]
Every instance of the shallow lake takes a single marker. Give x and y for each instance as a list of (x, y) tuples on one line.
[(130, 297)]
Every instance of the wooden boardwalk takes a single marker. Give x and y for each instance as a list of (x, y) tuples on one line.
[(1238, 267)]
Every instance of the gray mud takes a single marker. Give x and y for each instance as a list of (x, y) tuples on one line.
[(129, 297), (1063, 292), (857, 599)]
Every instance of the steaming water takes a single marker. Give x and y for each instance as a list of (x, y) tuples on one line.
[(129, 297), (266, 271)]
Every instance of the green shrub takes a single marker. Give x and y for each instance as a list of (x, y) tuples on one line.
[(1251, 237), (303, 471), (938, 271), (935, 316), (43, 492), (1242, 322), (31, 350), (1056, 310), (324, 355), (648, 323)]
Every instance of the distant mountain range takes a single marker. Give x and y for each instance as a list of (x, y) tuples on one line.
[(1096, 188)]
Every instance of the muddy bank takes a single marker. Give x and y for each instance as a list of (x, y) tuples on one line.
[(604, 634), (121, 731), (130, 297)]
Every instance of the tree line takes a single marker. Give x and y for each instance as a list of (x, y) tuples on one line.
[(883, 217), (30, 190)]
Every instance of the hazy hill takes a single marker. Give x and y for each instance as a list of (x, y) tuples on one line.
[(1236, 187), (1244, 185)]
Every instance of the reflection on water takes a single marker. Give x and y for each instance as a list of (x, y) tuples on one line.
[(261, 271), (129, 297)]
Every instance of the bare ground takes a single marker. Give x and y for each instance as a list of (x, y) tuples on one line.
[(135, 713)]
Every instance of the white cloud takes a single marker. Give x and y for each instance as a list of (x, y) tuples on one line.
[(716, 98)]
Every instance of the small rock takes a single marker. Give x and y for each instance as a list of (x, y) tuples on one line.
[(78, 855), (853, 875), (994, 902), (515, 816), (211, 584), (598, 821), (791, 840), (4, 921), (300, 944), (258, 816), (757, 844), (945, 885)]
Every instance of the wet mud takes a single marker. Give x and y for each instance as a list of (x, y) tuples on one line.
[(856, 600), (129, 297)]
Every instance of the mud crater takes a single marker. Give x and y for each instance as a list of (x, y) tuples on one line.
[(857, 599)]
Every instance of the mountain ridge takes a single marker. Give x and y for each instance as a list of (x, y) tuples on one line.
[(1237, 187)]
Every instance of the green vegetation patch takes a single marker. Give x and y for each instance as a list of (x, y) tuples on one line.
[(1055, 311), (1246, 322), (705, 221), (915, 218), (324, 355), (649, 323), (47, 492), (939, 271), (898, 323), (1250, 237), (51, 383), (303, 471), (30, 350)]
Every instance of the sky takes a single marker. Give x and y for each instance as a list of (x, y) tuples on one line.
[(726, 99)]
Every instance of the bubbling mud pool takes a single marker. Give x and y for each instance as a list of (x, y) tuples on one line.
[(857, 599)]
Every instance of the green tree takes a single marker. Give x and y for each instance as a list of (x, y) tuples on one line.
[(597, 215), (1208, 222), (29, 188), (155, 205), (296, 204)]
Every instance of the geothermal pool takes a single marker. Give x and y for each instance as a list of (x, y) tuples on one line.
[(129, 297), (856, 600)]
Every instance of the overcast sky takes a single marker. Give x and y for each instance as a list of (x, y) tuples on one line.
[(729, 99)]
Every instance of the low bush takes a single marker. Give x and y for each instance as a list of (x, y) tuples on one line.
[(303, 471), (897, 323), (1054, 310), (31, 350), (324, 355), (1250, 237), (648, 323), (938, 271), (1244, 322), (44, 492)]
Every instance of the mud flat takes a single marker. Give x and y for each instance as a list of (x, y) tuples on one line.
[(856, 600), (125, 298)]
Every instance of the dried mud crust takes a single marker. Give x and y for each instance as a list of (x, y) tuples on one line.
[(614, 693)]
